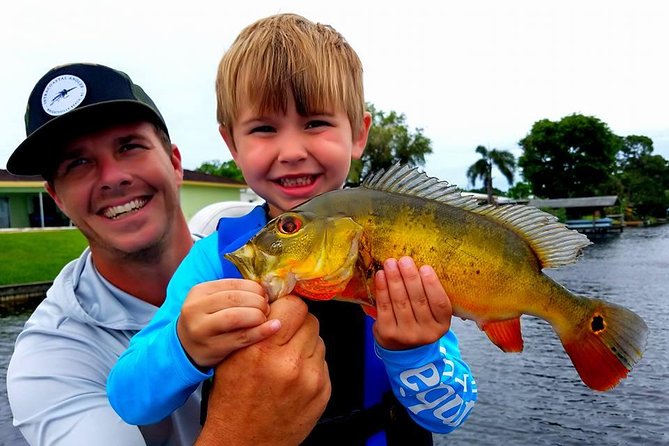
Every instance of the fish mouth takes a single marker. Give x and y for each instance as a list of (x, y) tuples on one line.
[(243, 258), (119, 211), (247, 257)]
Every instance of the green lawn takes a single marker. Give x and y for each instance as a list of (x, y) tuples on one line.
[(37, 256)]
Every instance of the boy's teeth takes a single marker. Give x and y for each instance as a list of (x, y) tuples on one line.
[(115, 212), (297, 181)]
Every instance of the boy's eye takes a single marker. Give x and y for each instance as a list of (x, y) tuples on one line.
[(262, 129), (317, 123)]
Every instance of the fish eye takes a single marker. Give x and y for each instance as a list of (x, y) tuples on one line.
[(289, 224)]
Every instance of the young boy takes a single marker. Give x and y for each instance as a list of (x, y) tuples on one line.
[(291, 111)]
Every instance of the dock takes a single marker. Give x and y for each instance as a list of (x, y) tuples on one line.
[(595, 226)]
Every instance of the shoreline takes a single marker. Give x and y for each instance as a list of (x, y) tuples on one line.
[(23, 292)]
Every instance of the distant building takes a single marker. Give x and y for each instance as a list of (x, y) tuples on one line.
[(24, 202), (578, 207), (587, 214)]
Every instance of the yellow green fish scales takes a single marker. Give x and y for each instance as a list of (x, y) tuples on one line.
[(488, 258)]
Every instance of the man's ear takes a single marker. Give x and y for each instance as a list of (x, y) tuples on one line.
[(360, 138), (52, 193), (229, 140), (175, 159)]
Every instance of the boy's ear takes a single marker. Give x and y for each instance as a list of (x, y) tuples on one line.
[(360, 139), (229, 140)]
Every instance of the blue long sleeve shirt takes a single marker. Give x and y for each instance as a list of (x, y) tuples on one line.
[(154, 376)]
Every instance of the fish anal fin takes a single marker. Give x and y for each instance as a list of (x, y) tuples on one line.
[(505, 334)]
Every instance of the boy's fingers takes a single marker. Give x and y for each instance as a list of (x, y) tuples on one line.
[(236, 318), (398, 290), (247, 336), (384, 307), (214, 286), (440, 304), (413, 281)]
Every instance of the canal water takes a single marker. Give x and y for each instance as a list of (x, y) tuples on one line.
[(535, 397)]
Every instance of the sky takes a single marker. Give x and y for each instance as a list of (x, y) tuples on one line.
[(468, 73)]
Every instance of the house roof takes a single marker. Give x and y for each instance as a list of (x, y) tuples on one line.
[(189, 175), (6, 176), (581, 202)]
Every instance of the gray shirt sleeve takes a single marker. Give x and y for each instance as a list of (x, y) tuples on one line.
[(56, 388)]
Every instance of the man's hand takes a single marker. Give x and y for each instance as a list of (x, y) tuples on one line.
[(221, 316), (412, 306), (272, 392)]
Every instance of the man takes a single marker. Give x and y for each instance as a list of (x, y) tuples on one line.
[(103, 148)]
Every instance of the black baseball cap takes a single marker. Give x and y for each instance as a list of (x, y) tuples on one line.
[(70, 100)]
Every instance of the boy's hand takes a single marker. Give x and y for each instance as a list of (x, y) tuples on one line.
[(221, 316), (412, 305)]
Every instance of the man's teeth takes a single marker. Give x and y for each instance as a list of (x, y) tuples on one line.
[(297, 181), (115, 212)]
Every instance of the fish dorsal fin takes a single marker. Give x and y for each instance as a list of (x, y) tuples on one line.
[(553, 243)]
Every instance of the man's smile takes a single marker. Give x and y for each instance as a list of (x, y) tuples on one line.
[(115, 212)]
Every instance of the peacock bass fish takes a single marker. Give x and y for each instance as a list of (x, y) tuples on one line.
[(489, 260)]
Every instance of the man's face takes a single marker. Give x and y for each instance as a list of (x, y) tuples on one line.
[(120, 187), (290, 158)]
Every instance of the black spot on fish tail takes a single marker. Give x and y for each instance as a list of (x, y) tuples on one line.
[(597, 323)]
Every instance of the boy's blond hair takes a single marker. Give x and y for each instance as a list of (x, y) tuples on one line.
[(287, 54)]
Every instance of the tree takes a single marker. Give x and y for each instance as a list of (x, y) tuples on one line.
[(227, 169), (502, 159), (573, 157), (390, 141), (632, 148), (646, 181), (520, 190)]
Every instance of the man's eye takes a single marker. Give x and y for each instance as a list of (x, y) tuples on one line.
[(73, 164), (127, 147)]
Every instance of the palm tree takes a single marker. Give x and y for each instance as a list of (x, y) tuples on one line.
[(502, 159)]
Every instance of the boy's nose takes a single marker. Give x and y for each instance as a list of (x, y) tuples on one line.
[(292, 152)]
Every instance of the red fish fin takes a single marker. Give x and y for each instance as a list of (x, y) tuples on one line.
[(369, 311), (505, 334), (607, 347)]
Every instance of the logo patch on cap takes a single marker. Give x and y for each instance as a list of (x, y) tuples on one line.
[(62, 94)]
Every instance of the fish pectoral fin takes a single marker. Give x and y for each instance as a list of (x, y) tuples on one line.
[(369, 311), (317, 289), (505, 334)]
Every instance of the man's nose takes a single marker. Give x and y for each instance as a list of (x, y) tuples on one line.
[(112, 174)]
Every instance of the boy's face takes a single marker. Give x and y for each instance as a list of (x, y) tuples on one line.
[(287, 158), (120, 188)]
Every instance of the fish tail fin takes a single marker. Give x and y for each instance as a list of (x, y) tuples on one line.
[(606, 344)]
